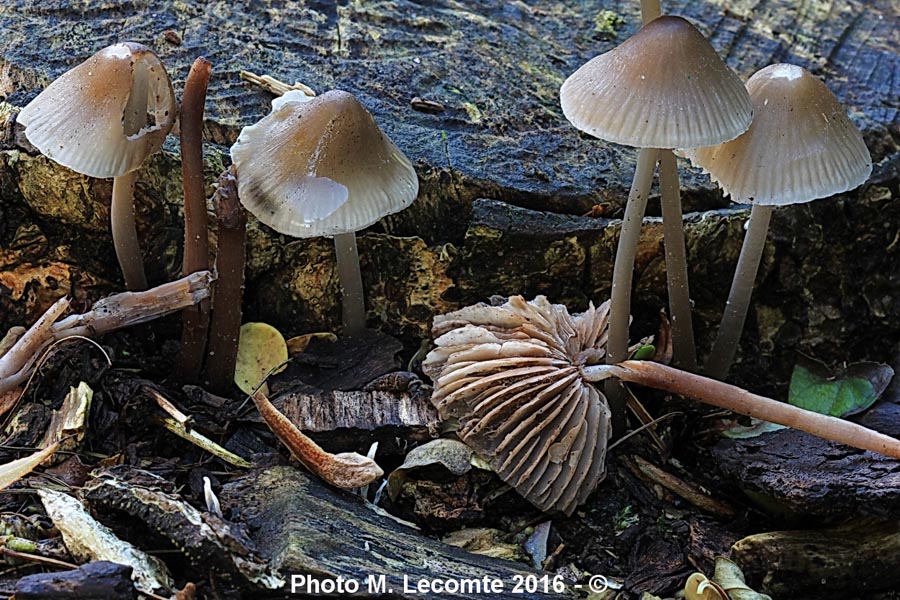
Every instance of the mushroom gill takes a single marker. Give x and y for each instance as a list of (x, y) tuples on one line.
[(512, 376)]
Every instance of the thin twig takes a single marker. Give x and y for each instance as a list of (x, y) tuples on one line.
[(36, 558)]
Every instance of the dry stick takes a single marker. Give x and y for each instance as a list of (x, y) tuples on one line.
[(225, 324), (684, 354), (725, 346), (620, 297), (195, 319), (733, 398)]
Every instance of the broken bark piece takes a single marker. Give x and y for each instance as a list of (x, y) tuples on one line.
[(851, 561), (792, 471), (304, 528), (396, 407), (86, 539), (101, 580), (206, 539)]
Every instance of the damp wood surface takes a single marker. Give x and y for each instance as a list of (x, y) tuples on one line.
[(498, 153)]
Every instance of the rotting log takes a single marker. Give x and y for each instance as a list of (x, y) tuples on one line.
[(798, 475), (492, 140), (303, 527), (100, 580), (855, 560)]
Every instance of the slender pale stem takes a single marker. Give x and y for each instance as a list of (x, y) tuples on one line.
[(620, 301), (729, 397), (353, 306), (124, 232), (684, 354), (121, 213), (725, 346), (650, 9)]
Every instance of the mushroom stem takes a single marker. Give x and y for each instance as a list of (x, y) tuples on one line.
[(650, 9), (729, 397), (620, 297), (725, 346), (121, 212), (684, 354), (124, 232), (353, 307), (225, 323), (194, 319)]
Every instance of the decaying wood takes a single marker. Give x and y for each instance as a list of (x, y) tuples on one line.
[(101, 580), (792, 471), (851, 561), (114, 312), (206, 539), (394, 414), (303, 527), (693, 494)]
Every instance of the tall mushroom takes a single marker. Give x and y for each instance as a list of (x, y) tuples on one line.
[(663, 88), (800, 147), (321, 167), (103, 118)]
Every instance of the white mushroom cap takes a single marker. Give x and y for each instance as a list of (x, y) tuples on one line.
[(80, 120), (320, 167), (511, 375), (800, 147), (664, 87)]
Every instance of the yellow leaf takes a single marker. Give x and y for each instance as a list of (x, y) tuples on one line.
[(261, 349)]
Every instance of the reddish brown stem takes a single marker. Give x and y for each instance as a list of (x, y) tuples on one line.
[(225, 325), (346, 470), (195, 320), (723, 395)]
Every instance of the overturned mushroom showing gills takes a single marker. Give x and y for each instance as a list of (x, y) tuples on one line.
[(800, 147), (103, 119), (511, 374), (321, 167), (663, 88)]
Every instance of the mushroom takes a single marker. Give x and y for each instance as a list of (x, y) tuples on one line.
[(321, 167), (511, 374), (801, 146), (663, 88), (103, 119)]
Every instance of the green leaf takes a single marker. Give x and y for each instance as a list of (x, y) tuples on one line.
[(645, 352), (842, 393)]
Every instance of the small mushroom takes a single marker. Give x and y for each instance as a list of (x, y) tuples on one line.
[(321, 167), (103, 119), (665, 87), (511, 374), (801, 146)]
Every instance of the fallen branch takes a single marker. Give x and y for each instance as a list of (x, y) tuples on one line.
[(115, 312), (733, 398)]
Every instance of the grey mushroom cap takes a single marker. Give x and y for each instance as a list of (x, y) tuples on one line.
[(78, 119), (664, 87), (512, 376), (800, 147), (321, 167)]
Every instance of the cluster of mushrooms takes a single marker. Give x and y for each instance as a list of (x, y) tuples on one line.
[(519, 377)]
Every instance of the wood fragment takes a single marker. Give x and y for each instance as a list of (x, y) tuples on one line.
[(101, 580), (277, 87), (685, 490)]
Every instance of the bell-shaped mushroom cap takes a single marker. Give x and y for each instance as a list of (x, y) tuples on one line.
[(664, 87), (321, 166), (105, 116), (511, 375), (800, 147)]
